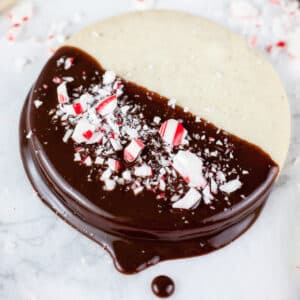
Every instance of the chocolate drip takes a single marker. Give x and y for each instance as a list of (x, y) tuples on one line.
[(137, 230), (163, 286)]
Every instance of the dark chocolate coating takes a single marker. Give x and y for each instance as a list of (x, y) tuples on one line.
[(140, 230)]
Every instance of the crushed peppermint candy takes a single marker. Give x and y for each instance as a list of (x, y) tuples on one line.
[(231, 186), (190, 200), (37, 103), (112, 136), (172, 132)]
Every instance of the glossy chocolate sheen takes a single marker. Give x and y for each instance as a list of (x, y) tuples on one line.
[(137, 230)]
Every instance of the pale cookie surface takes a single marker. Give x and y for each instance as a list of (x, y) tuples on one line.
[(205, 67)]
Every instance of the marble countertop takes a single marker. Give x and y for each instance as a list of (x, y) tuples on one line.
[(43, 258)]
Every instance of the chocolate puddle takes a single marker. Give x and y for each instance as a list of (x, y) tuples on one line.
[(137, 230)]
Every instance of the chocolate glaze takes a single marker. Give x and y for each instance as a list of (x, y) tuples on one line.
[(131, 228), (163, 286)]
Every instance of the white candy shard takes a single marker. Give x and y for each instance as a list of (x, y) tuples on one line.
[(190, 200), (189, 166), (83, 131), (62, 93), (156, 120), (172, 102), (109, 77), (109, 184), (172, 132), (116, 144), (231, 186), (138, 190), (132, 151), (221, 177), (143, 171), (29, 135), (67, 135), (207, 196), (37, 103), (126, 175), (77, 156), (162, 185), (107, 105), (106, 174), (99, 160), (213, 186), (88, 161)]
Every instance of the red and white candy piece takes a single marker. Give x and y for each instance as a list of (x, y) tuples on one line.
[(62, 93), (114, 164), (107, 105), (96, 138), (133, 150), (190, 200), (172, 132), (189, 166), (143, 171), (68, 63), (83, 131), (231, 186)]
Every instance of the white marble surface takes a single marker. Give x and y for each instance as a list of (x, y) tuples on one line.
[(43, 258)]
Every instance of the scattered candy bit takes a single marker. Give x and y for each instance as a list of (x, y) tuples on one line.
[(107, 105), (172, 132), (143, 171), (62, 93), (172, 102), (207, 196), (231, 186), (88, 161), (109, 184), (109, 77), (37, 103), (189, 201), (83, 131), (189, 166), (68, 63), (114, 164), (29, 135), (133, 150), (67, 135)]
